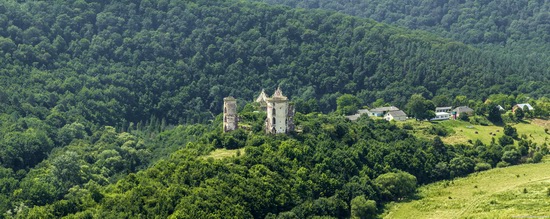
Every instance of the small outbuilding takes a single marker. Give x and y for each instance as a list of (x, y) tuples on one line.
[(398, 115), (523, 106)]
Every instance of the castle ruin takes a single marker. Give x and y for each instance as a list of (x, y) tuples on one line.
[(280, 114), (230, 117)]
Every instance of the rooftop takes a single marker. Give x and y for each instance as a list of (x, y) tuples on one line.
[(384, 109), (397, 113)]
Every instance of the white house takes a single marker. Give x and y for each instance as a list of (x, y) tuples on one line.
[(395, 115), (444, 109), (441, 116), (381, 111)]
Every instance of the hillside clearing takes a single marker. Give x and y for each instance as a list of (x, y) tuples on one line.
[(224, 153), (517, 191)]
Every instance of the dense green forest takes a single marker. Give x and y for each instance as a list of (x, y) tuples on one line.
[(517, 29), (119, 62), (107, 109), (470, 21)]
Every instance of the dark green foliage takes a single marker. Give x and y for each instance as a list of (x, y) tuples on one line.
[(519, 114), (438, 130), (420, 108), (97, 100), (460, 166), (537, 157), (493, 113), (505, 140), (464, 117), (511, 156), (482, 167), (510, 131)]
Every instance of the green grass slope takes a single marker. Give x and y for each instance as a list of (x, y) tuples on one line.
[(460, 132), (518, 191)]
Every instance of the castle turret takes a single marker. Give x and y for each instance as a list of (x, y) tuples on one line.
[(279, 114), (230, 117), (261, 99)]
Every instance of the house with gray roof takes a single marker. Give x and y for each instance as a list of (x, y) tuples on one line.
[(381, 111), (462, 109), (398, 115)]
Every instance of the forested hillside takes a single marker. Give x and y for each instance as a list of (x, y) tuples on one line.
[(334, 167), (95, 96), (127, 61), (513, 30), (470, 21)]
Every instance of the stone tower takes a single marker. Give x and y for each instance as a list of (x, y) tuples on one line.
[(279, 114), (261, 99), (230, 118)]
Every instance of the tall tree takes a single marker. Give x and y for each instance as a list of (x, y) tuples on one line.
[(420, 108)]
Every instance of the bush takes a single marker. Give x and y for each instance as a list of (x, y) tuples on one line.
[(478, 120), (502, 164), (482, 167), (537, 157), (460, 166), (464, 117), (363, 208), (438, 130), (511, 157), (510, 131), (396, 185), (407, 126), (505, 140)]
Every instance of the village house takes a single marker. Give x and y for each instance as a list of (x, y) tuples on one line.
[(444, 109), (381, 111), (523, 106), (357, 115), (398, 115), (441, 116), (462, 109)]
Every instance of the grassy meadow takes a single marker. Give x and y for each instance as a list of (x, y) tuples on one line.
[(514, 192), (462, 132)]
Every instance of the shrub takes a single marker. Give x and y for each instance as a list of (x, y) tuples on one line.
[(396, 185), (407, 126), (363, 208), (502, 164), (537, 157), (478, 120), (482, 167)]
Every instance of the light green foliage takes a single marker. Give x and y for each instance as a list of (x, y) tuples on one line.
[(347, 104), (361, 208), (396, 185)]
